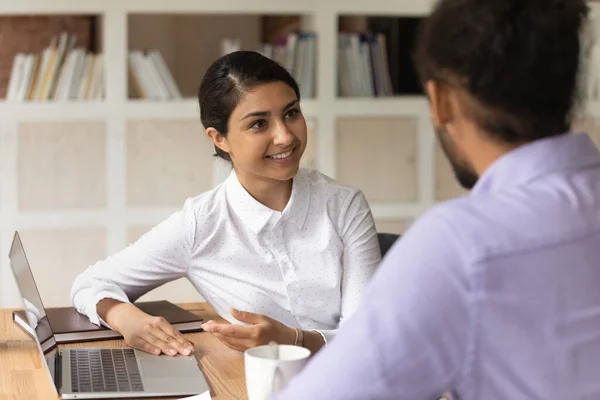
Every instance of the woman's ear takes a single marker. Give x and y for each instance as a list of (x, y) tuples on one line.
[(219, 140)]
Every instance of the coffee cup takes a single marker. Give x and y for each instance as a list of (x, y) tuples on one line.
[(271, 367)]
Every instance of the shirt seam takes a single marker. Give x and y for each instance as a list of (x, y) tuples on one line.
[(193, 243), (474, 280), (468, 370), (531, 246)]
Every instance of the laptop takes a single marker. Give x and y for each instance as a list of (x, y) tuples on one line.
[(101, 372)]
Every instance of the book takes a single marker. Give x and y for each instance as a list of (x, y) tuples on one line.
[(68, 325), (165, 73), (16, 76)]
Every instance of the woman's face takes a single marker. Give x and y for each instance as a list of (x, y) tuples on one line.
[(267, 133)]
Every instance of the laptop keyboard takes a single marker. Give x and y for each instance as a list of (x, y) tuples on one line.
[(105, 370)]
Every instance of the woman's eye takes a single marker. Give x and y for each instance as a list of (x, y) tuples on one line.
[(258, 124), (292, 113)]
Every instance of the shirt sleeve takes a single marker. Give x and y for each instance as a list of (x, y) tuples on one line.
[(409, 338), (160, 256), (360, 257)]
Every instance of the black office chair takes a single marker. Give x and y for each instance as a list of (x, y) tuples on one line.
[(386, 240)]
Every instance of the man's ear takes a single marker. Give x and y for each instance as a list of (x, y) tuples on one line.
[(219, 140), (439, 103)]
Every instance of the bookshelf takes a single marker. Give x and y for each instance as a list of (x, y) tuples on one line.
[(134, 135)]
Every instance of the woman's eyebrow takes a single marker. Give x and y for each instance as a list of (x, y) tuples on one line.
[(267, 113)]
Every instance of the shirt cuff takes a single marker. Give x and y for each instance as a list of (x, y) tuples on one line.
[(91, 307), (327, 335)]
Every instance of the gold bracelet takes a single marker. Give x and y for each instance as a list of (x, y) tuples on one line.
[(301, 334), (297, 335)]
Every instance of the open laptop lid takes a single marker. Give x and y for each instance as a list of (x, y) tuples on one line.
[(34, 308)]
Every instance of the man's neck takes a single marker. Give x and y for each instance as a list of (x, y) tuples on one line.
[(486, 152)]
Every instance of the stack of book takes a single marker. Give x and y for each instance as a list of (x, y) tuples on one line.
[(363, 66), (62, 71), (151, 77), (297, 53)]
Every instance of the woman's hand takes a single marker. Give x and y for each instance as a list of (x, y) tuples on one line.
[(143, 331), (261, 331)]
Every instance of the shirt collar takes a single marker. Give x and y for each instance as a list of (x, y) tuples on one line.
[(540, 157), (297, 207), (256, 215)]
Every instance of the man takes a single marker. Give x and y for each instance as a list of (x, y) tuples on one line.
[(495, 295)]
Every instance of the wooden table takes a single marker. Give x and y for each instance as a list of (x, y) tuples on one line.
[(22, 375)]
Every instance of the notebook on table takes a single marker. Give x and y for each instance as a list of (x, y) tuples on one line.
[(68, 325)]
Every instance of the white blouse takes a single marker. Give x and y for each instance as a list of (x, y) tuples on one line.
[(305, 267)]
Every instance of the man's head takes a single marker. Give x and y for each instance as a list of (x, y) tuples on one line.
[(499, 74)]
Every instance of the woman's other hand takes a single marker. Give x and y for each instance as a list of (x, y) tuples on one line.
[(261, 330)]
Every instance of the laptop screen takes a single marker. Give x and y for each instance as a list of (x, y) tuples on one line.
[(34, 308), (32, 302)]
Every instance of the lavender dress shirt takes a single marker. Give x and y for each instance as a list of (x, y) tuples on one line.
[(495, 295)]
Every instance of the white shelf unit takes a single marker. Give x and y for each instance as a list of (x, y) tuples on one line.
[(320, 17), (593, 109)]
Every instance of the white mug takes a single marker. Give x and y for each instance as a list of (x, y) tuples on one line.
[(269, 368)]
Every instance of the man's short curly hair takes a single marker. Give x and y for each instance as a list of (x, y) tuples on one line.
[(517, 60)]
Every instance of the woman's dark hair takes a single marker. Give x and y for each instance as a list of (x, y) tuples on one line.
[(226, 81), (517, 61)]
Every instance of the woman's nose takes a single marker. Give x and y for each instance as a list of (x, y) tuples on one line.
[(283, 136)]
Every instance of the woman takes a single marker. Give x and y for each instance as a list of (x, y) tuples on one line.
[(289, 247)]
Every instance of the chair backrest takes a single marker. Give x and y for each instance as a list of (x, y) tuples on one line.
[(386, 240)]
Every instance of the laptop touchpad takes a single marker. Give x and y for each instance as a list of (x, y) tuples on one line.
[(169, 367)]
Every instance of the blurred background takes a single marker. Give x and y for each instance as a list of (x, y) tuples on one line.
[(100, 137)]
